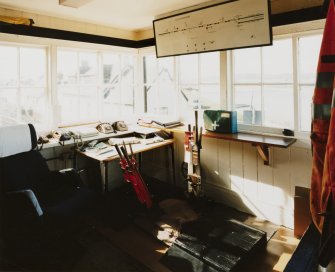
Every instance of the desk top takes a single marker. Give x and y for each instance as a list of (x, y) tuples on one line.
[(137, 148)]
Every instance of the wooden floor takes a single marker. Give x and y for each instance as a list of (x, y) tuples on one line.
[(148, 250)]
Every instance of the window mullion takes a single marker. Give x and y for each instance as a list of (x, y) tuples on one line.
[(262, 88), (18, 89), (295, 82)]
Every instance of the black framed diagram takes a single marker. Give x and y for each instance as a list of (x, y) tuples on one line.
[(227, 25)]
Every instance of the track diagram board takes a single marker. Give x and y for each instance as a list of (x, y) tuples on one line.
[(227, 25)]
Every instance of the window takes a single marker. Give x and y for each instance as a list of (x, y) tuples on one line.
[(198, 82), (118, 85), (159, 85), (23, 85), (77, 75), (269, 83), (95, 85)]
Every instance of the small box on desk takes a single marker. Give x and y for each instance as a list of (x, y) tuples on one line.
[(220, 121)]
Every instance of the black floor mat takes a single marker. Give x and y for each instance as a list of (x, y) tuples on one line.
[(205, 245)]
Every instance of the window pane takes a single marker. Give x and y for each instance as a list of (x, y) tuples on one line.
[(69, 104), (149, 69), (165, 99), (127, 85), (159, 94), (309, 48), (248, 104), (277, 62), (8, 66), (305, 107), (127, 70), (210, 67), (165, 70), (247, 65), (151, 100), (128, 96), (33, 75), (209, 96), (278, 106), (33, 106), (111, 68), (67, 67), (88, 68), (8, 106), (190, 95), (88, 109), (188, 69)]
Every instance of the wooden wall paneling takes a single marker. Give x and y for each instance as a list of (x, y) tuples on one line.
[(209, 161), (301, 167), (224, 163), (265, 180), (250, 171), (236, 164), (179, 157), (282, 177)]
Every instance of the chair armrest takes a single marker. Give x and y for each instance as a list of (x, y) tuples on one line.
[(23, 201), (22, 217), (67, 176)]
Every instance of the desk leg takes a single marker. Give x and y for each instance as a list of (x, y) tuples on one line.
[(104, 176), (140, 161), (173, 164), (74, 159)]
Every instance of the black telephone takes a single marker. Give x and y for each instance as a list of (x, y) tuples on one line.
[(105, 128)]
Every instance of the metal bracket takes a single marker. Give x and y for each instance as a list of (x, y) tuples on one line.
[(263, 151)]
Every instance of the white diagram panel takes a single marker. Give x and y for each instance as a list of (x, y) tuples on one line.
[(228, 25)]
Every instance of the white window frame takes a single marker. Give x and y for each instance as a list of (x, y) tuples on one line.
[(19, 45), (175, 111), (296, 84), (51, 46)]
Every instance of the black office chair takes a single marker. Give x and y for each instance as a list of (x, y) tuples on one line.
[(38, 206)]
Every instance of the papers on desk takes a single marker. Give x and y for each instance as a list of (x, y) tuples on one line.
[(153, 140), (127, 140), (101, 149), (84, 132)]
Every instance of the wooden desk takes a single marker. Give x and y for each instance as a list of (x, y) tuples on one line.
[(105, 158), (262, 142)]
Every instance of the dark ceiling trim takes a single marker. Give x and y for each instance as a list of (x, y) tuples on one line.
[(298, 16), (43, 32)]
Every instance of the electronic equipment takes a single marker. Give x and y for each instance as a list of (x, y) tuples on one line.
[(105, 128), (220, 121), (120, 126)]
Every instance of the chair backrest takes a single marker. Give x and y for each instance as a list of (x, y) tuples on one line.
[(22, 167)]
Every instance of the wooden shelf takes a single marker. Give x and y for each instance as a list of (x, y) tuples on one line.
[(262, 142)]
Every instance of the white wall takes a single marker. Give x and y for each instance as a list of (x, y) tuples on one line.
[(71, 25)]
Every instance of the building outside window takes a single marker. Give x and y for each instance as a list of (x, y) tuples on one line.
[(23, 85)]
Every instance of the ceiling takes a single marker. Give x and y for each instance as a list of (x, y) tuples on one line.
[(133, 15)]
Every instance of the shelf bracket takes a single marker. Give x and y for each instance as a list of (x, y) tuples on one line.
[(263, 151)]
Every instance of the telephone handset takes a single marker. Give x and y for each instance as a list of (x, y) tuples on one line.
[(120, 126), (105, 128)]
